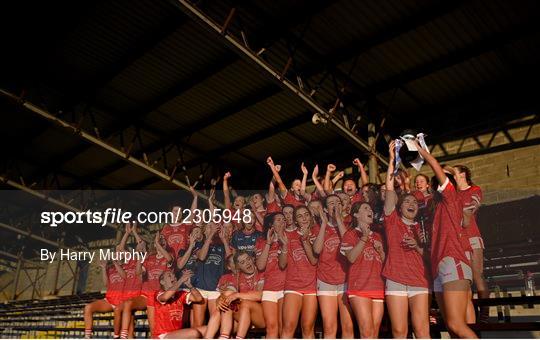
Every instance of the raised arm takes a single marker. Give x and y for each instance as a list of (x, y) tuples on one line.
[(363, 175), (318, 244), (209, 232), (262, 258), (103, 266), (226, 191), (339, 220), (337, 177), (318, 185), (327, 184), (162, 250), (391, 197), (308, 247), (195, 200), (304, 181), (279, 181), (433, 163), (122, 245), (283, 251), (119, 269)]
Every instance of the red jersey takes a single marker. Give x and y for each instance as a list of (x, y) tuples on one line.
[(357, 197), (447, 229), (273, 207), (290, 198), (300, 275), (248, 283), (177, 237), (133, 282), (169, 315), (466, 198), (115, 286), (365, 272), (403, 265), (259, 224), (332, 264), (154, 266), (226, 282), (274, 277)]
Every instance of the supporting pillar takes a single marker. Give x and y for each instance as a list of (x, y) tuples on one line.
[(372, 162), (17, 274)]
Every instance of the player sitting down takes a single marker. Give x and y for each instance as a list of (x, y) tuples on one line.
[(169, 307), (244, 304)]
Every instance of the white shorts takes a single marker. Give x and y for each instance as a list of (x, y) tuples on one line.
[(398, 289), (476, 242), (209, 294), (162, 336), (326, 289), (272, 296), (299, 292), (449, 269)]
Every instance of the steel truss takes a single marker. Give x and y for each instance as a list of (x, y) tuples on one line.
[(517, 134), (125, 154), (241, 47)]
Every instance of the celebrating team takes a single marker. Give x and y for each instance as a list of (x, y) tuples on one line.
[(341, 252)]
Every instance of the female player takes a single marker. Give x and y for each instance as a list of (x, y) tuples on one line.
[(294, 196), (157, 261), (404, 269), (298, 259), (267, 260), (470, 196), (210, 266), (331, 270), (449, 265), (113, 278), (365, 286), (245, 303), (169, 307)]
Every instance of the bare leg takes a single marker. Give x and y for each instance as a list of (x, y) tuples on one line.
[(150, 312), (309, 316), (378, 313), (98, 306), (138, 303), (250, 313), (271, 319), (345, 316), (398, 310), (292, 305), (456, 297), (477, 264), (329, 312), (363, 311), (187, 333), (199, 311), (419, 306)]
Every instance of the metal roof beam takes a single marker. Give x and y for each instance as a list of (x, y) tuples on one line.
[(97, 141), (254, 59)]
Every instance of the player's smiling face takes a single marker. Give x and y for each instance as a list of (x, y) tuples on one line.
[(421, 183), (303, 217), (349, 187), (288, 213), (409, 207), (279, 222), (168, 280), (239, 202), (364, 214)]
